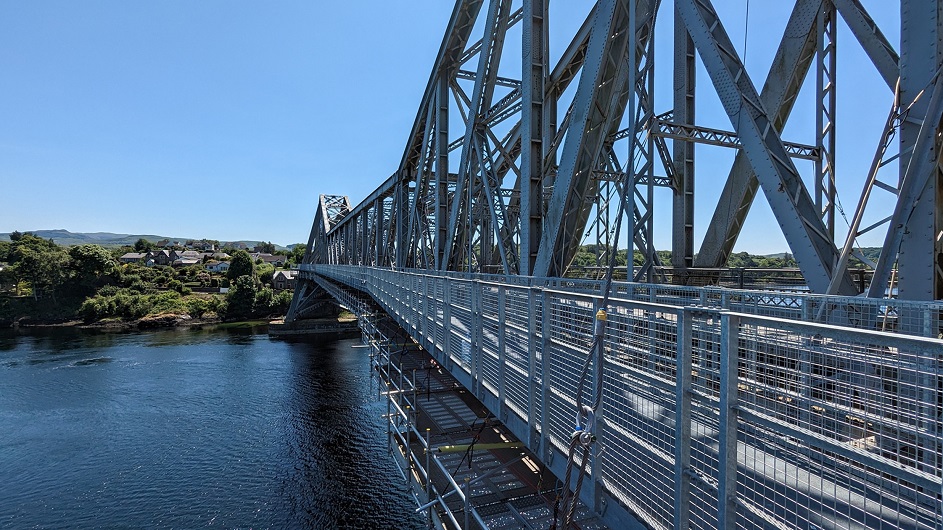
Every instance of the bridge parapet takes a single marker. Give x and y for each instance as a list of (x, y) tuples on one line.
[(921, 318), (796, 423)]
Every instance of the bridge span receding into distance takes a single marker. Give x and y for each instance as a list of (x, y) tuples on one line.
[(658, 395)]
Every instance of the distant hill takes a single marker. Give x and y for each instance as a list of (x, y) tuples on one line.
[(108, 239)]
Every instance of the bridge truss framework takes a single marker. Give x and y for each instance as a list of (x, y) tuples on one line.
[(512, 174), (748, 409)]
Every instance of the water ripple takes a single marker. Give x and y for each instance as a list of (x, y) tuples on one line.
[(178, 429)]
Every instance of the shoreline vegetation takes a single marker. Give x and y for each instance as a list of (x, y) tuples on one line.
[(43, 284)]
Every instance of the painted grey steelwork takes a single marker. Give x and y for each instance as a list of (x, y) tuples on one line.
[(722, 408), (754, 420), (501, 175)]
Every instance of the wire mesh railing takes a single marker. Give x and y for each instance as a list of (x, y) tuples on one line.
[(720, 408)]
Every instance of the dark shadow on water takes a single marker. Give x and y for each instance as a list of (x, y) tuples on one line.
[(92, 362), (343, 477)]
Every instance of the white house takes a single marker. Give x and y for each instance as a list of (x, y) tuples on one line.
[(217, 266)]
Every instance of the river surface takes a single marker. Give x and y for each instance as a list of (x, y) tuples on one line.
[(192, 428)]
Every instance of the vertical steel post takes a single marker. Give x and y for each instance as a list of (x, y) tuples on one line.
[(727, 450), (683, 382), (920, 54), (474, 336), (409, 454), (447, 321), (380, 230), (502, 354), (545, 354), (428, 476), (364, 238), (533, 125), (825, 115), (532, 388), (441, 169), (682, 242), (389, 415), (467, 503)]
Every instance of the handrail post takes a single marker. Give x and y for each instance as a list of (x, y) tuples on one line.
[(467, 502), (727, 450), (683, 389), (409, 454), (428, 476)]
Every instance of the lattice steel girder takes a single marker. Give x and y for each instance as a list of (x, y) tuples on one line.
[(441, 168), (591, 122), (663, 127), (488, 60), (565, 71), (790, 64), (789, 68), (790, 201), (826, 103), (913, 233), (642, 147)]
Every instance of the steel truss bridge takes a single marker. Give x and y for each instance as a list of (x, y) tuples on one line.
[(719, 407)]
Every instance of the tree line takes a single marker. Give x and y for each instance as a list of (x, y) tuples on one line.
[(45, 281)]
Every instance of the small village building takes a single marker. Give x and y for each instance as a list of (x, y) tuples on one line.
[(161, 257), (133, 257), (185, 262), (271, 259), (217, 266), (186, 255), (284, 279)]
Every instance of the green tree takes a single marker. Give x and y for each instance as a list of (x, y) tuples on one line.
[(240, 300), (38, 261), (264, 300), (297, 253), (143, 245), (89, 267), (45, 269), (241, 265), (268, 247), (265, 272)]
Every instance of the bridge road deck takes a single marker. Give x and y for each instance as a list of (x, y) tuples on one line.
[(821, 426)]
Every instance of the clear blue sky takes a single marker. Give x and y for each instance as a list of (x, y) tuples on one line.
[(227, 119)]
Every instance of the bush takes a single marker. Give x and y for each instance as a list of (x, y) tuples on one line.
[(131, 305), (197, 307), (108, 290), (138, 287)]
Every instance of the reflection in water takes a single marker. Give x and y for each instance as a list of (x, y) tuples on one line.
[(187, 428)]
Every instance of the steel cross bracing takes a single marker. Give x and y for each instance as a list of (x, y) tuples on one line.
[(518, 156)]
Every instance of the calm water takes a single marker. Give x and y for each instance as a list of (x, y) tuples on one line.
[(189, 429)]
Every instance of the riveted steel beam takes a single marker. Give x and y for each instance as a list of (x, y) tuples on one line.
[(791, 63), (790, 201), (594, 113)]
